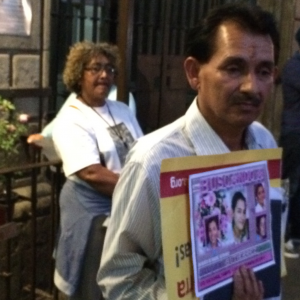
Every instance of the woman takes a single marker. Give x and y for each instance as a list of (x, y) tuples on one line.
[(92, 136), (239, 220), (212, 233), (261, 228), (260, 195)]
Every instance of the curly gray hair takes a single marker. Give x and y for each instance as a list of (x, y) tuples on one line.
[(80, 56)]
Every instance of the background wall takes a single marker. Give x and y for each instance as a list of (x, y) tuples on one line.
[(286, 13), (24, 60)]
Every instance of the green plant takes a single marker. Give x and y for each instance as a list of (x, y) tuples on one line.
[(12, 127)]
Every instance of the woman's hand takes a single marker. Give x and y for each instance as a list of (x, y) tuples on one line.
[(246, 286), (34, 137)]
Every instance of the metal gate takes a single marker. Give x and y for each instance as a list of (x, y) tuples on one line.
[(162, 90), (73, 21)]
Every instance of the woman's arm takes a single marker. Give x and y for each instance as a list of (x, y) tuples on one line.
[(99, 177)]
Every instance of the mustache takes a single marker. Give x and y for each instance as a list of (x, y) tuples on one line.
[(246, 99), (102, 82)]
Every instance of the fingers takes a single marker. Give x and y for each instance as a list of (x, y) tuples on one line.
[(252, 285), (246, 286)]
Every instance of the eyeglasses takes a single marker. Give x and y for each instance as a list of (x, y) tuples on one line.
[(99, 68)]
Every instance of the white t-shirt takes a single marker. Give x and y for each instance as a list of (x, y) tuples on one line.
[(47, 131), (259, 207), (79, 132)]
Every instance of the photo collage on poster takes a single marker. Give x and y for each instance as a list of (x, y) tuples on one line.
[(230, 223)]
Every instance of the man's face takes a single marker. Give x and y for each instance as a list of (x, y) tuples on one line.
[(234, 84)]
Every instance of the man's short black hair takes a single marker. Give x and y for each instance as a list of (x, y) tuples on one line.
[(200, 40)]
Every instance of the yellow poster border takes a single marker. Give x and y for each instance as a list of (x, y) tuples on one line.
[(175, 214)]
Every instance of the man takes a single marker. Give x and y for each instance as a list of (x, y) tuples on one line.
[(230, 62), (290, 141)]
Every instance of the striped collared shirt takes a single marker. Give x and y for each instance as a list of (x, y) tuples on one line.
[(132, 263)]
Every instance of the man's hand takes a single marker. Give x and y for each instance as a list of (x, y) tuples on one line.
[(246, 286)]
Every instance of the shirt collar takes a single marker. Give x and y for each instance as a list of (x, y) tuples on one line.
[(204, 139)]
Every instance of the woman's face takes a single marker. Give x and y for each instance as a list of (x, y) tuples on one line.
[(239, 215), (97, 80), (262, 226), (260, 195), (213, 233)]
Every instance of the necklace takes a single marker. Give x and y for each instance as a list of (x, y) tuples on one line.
[(113, 128)]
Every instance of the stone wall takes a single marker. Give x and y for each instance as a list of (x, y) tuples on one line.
[(24, 60), (24, 65), (285, 13)]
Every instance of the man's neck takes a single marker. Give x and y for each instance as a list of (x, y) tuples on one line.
[(233, 138), (234, 143)]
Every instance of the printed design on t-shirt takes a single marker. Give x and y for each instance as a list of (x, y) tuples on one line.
[(121, 137)]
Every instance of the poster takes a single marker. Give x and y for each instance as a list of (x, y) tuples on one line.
[(15, 17), (230, 223), (175, 210)]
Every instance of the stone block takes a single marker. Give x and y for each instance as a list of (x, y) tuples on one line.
[(22, 210), (30, 106), (4, 71), (43, 189), (26, 71)]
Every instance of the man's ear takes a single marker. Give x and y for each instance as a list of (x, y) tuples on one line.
[(191, 67), (276, 75)]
